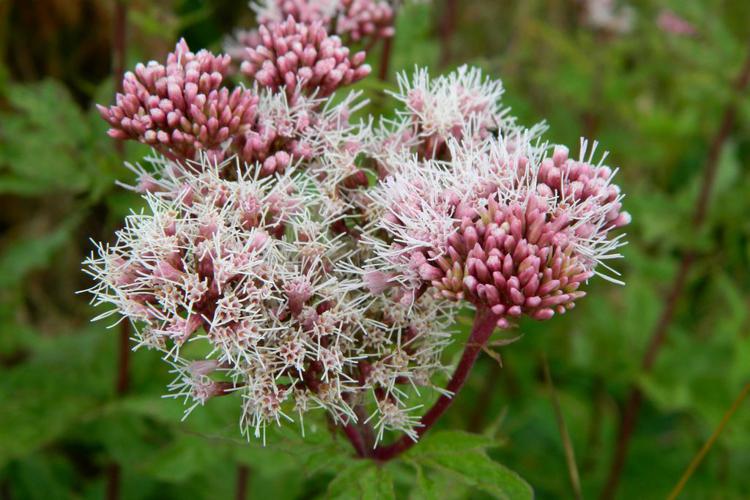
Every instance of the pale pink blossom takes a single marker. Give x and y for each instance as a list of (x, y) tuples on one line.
[(671, 23), (501, 227)]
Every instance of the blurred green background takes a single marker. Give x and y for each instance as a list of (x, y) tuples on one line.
[(653, 98)]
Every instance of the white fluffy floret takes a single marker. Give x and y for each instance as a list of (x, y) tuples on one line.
[(419, 214), (251, 269)]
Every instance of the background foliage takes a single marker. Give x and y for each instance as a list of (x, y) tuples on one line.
[(654, 100)]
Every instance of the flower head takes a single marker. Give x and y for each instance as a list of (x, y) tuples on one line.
[(303, 11), (435, 110), (253, 269), (302, 58), (497, 226), (371, 19), (181, 108), (356, 19)]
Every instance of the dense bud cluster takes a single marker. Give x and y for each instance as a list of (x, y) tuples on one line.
[(369, 19), (301, 57), (181, 108), (353, 19)]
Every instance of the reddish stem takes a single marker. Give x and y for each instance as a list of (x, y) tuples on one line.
[(123, 359), (484, 325), (446, 28), (355, 438), (385, 59), (243, 473), (659, 334)]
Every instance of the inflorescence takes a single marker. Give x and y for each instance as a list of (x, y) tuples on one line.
[(303, 261)]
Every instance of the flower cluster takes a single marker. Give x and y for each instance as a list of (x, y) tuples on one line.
[(308, 288), (436, 110), (181, 108), (355, 19), (494, 217), (302, 57), (249, 267)]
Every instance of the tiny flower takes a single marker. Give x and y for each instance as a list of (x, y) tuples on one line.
[(671, 23), (606, 16)]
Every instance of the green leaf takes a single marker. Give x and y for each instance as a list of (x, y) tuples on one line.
[(447, 442), (38, 478), (45, 139), (364, 480), (65, 381), (477, 470), (33, 252), (185, 457), (425, 488)]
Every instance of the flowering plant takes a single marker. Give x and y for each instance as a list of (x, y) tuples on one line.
[(319, 261)]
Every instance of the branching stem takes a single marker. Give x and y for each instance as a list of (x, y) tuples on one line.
[(484, 325)]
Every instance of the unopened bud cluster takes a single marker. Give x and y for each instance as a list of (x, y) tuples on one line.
[(302, 57), (354, 20)]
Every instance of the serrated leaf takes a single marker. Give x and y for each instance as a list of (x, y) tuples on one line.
[(424, 488), (476, 469), (364, 480), (448, 442), (45, 138)]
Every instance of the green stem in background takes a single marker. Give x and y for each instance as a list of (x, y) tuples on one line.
[(706, 447), (484, 325), (659, 334), (570, 457), (484, 398)]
